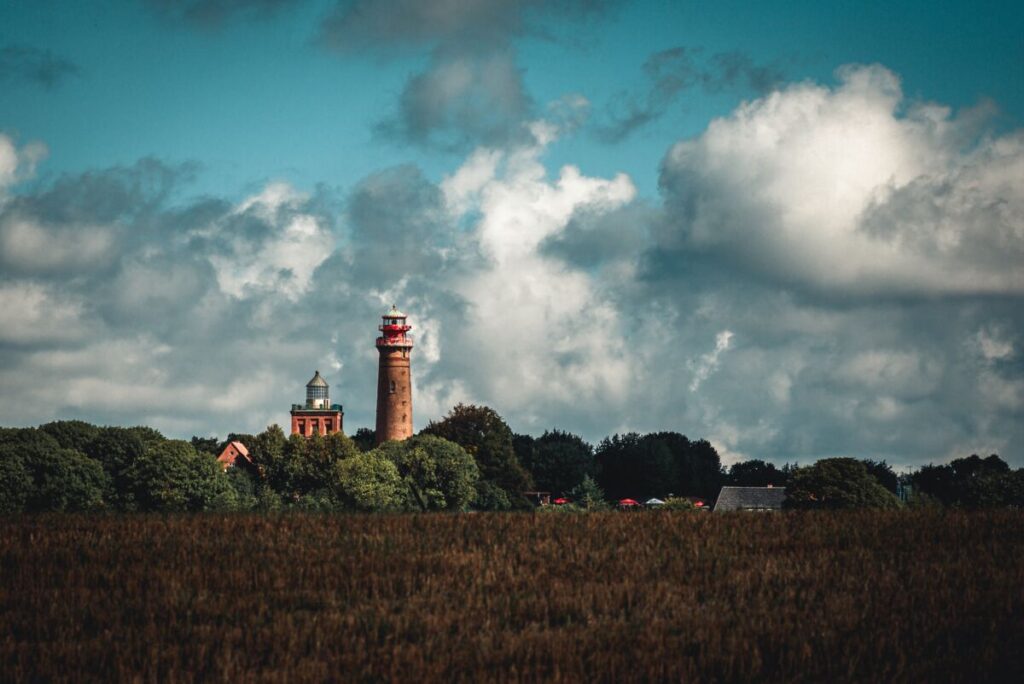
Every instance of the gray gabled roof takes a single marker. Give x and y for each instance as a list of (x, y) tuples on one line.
[(750, 498)]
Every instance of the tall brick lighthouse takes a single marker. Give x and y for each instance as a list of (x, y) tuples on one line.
[(394, 380)]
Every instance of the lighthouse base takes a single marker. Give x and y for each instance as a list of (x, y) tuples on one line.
[(394, 395)]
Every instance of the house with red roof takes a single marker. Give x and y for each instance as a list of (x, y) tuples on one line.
[(234, 452)]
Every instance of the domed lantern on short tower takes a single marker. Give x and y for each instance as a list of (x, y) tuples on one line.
[(318, 416), (394, 378), (317, 392)]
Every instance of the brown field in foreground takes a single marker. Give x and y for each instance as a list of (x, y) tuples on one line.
[(499, 597)]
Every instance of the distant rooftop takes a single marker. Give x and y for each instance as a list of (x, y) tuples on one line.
[(233, 452), (750, 499)]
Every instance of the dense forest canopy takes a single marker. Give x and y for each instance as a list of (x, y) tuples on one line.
[(470, 459)]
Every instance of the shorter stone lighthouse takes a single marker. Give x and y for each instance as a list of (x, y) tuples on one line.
[(318, 416), (394, 379)]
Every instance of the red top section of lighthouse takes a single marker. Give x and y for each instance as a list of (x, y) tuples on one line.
[(394, 329)]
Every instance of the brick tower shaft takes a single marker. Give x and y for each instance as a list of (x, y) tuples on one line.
[(394, 396), (394, 379)]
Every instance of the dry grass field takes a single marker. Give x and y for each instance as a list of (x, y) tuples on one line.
[(898, 596)]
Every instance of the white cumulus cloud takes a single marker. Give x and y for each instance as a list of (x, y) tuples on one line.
[(541, 330), (852, 187), (283, 257)]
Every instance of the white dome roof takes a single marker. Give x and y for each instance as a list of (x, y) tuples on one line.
[(317, 381)]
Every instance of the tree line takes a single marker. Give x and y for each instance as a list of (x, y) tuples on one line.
[(470, 459)]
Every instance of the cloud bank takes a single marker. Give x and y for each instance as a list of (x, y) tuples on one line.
[(830, 269), (471, 91), (840, 189)]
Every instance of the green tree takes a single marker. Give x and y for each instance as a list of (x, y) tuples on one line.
[(339, 446), (635, 466), (267, 500), (65, 480), (699, 468), (974, 465), (39, 475), (971, 482), (488, 496), (116, 449), (834, 483), (935, 483), (994, 490), (71, 434), (364, 439), (756, 473), (525, 449), (209, 489), (18, 441), (15, 482), (147, 435), (656, 464), (557, 460), (488, 439), (307, 465), (173, 476), (318, 501), (209, 445), (298, 473), (370, 482), (588, 495), (438, 474), (883, 472), (268, 457), (244, 486)]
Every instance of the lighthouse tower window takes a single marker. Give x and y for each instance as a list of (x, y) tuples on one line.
[(392, 388)]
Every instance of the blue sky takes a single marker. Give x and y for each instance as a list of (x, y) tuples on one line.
[(260, 99), (790, 229)]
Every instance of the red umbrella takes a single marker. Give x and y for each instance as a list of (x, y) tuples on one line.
[(699, 504), (628, 502), (561, 500)]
